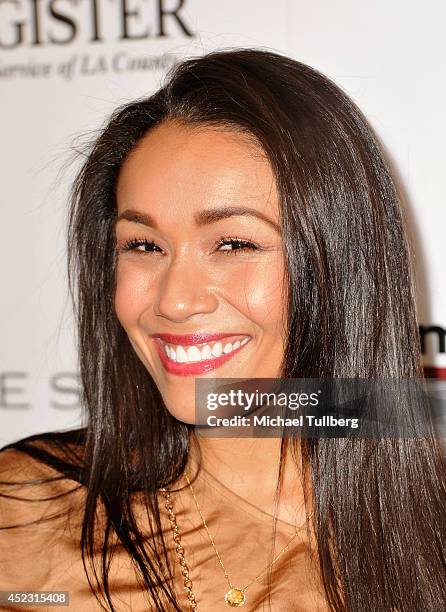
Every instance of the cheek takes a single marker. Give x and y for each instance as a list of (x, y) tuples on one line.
[(132, 296), (256, 290)]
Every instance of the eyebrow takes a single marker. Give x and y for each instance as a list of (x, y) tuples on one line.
[(203, 217)]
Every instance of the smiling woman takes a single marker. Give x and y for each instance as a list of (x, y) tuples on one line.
[(194, 258), (241, 222)]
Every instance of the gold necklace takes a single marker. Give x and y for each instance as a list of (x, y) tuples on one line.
[(235, 597)]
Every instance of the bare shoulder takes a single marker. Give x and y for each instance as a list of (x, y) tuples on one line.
[(38, 506), (29, 485), (41, 517)]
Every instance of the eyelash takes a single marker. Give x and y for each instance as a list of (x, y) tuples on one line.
[(225, 240), (244, 244)]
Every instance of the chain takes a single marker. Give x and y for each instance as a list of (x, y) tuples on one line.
[(180, 550), (216, 551)]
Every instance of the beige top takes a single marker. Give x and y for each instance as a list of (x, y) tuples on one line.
[(47, 556)]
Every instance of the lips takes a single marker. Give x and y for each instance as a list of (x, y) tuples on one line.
[(195, 338), (194, 354)]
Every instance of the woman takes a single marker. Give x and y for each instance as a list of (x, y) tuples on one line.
[(239, 223)]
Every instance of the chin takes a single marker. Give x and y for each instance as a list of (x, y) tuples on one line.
[(185, 415)]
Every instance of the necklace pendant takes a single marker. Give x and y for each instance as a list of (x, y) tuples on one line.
[(235, 598)]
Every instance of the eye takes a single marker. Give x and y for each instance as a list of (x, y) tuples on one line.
[(230, 246), (135, 243)]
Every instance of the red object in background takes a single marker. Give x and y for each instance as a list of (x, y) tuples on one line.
[(434, 372)]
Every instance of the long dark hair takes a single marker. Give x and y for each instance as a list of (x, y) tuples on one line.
[(379, 505)]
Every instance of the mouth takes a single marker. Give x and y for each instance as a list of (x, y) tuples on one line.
[(197, 353)]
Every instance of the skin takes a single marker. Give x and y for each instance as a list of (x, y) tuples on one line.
[(190, 284)]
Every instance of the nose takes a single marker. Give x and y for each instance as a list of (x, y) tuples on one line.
[(184, 292)]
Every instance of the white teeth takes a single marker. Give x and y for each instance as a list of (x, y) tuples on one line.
[(196, 353), (206, 352), (227, 348), (181, 355), (193, 353), (217, 349)]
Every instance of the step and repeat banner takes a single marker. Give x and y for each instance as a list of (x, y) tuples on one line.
[(66, 64)]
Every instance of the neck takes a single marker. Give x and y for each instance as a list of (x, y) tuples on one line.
[(250, 468)]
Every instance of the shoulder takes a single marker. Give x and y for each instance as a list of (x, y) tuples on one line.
[(34, 470), (37, 503)]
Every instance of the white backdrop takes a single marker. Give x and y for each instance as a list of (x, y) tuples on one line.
[(66, 64)]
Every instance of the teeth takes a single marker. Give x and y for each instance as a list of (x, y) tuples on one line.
[(217, 349), (195, 353), (181, 355), (206, 352)]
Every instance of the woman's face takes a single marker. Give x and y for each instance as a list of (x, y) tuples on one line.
[(200, 262)]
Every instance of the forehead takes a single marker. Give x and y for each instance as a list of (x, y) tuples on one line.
[(182, 166)]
